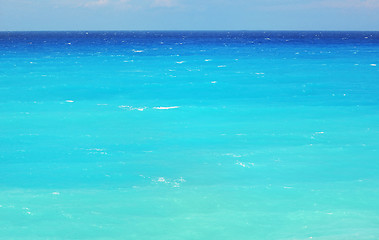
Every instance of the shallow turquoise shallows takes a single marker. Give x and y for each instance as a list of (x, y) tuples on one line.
[(189, 135)]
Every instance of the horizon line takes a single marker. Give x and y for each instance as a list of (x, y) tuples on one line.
[(211, 30)]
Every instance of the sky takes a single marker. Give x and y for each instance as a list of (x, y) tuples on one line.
[(42, 15)]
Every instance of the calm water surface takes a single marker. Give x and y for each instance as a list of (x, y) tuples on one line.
[(189, 135)]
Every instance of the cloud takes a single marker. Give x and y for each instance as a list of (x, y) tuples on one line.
[(164, 3), (352, 4), (117, 4), (123, 3), (96, 3), (104, 3), (320, 4)]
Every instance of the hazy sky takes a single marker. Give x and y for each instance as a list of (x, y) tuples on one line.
[(189, 15)]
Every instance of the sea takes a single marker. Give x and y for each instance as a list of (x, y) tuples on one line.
[(189, 135)]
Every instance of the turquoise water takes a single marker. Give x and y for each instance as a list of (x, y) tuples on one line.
[(189, 135)]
